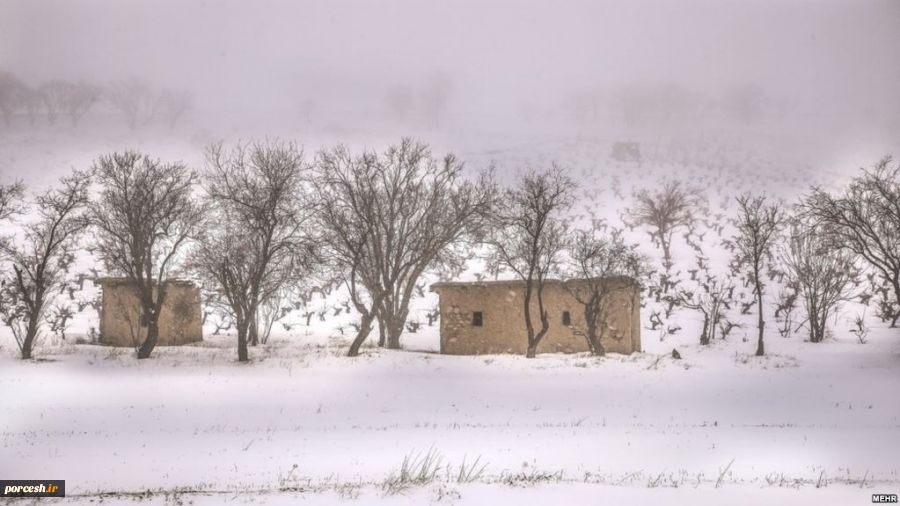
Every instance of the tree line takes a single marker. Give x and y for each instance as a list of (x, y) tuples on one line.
[(260, 221), (137, 102)]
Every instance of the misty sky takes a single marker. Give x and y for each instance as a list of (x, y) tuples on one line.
[(229, 50)]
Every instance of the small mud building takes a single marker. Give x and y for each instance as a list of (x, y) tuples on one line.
[(488, 317), (121, 323)]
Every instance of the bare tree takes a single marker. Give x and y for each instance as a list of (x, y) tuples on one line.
[(420, 214), (306, 108), (865, 220), (712, 299), (435, 96), (10, 205), (172, 105), (269, 313), (822, 274), (528, 236), (55, 96), (664, 211), (31, 102), (758, 229), (347, 220), (144, 216), (41, 261), (12, 91), (599, 265), (10, 199), (261, 198), (400, 101), (81, 98), (63, 97), (134, 100)]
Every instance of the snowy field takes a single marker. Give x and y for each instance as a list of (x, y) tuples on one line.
[(808, 424)]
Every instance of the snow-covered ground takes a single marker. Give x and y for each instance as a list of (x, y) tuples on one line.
[(808, 424)]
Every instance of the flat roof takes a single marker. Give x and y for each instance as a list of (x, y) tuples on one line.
[(514, 282), (121, 280)]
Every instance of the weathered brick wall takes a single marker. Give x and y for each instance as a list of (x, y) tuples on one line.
[(503, 325), (180, 321)]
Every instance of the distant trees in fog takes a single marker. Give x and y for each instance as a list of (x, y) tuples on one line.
[(400, 101), (427, 104), (12, 96), (72, 99), (134, 99), (54, 96), (670, 105), (172, 105)]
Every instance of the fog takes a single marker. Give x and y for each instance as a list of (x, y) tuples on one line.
[(822, 67)]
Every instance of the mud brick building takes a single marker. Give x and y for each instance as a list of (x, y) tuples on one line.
[(121, 324), (488, 317)]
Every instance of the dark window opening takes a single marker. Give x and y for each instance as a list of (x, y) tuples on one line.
[(567, 318), (477, 319)]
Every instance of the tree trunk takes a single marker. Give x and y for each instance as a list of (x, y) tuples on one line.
[(594, 337), (151, 339), (395, 330), (894, 320), (531, 351), (667, 260), (382, 335), (253, 331), (243, 352), (365, 327), (664, 241), (760, 347), (704, 337), (28, 342), (533, 343), (30, 335), (594, 342), (545, 326), (814, 328)]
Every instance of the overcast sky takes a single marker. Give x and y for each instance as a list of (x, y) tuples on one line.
[(831, 55)]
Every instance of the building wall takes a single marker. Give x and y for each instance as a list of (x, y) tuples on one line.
[(503, 320), (180, 321)]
